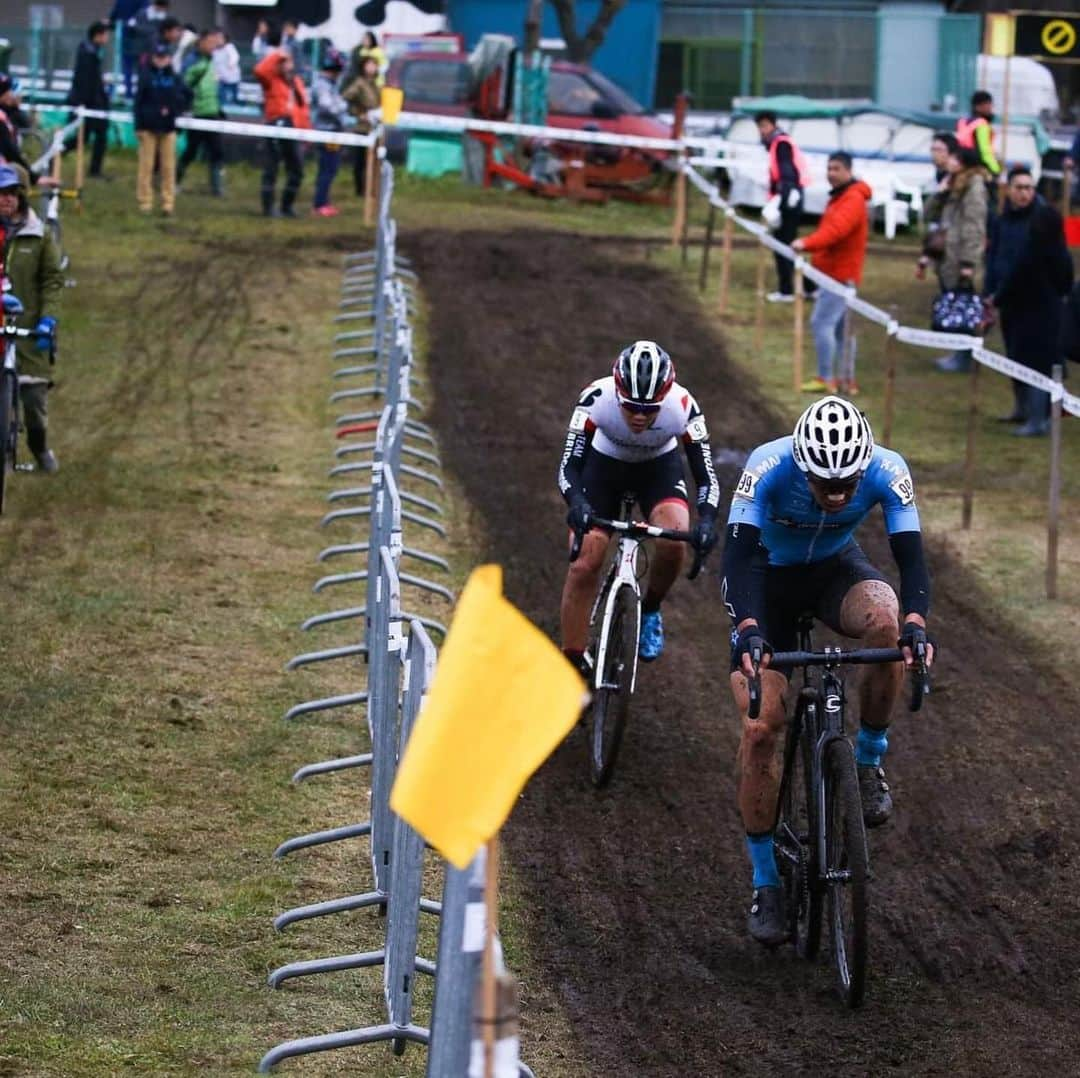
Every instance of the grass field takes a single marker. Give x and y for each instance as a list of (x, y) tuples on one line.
[(155, 585)]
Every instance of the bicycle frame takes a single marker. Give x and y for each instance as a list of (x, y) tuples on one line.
[(623, 570)]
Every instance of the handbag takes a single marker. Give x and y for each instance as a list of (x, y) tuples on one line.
[(957, 311)]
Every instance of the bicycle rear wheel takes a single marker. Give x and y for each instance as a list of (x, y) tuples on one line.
[(8, 433), (612, 700), (846, 869), (798, 837)]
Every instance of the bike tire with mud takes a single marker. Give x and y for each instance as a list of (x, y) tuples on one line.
[(611, 702), (805, 895), (846, 852)]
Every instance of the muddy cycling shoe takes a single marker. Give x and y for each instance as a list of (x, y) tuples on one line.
[(768, 921), (877, 803), (651, 644)]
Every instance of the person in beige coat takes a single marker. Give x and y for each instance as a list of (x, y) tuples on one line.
[(961, 245)]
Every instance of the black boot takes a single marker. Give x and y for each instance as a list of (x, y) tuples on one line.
[(267, 194), (217, 184), (287, 200)]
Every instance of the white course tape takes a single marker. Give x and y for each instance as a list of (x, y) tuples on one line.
[(868, 310), (1071, 403), (235, 127), (1019, 372), (423, 121), (56, 146), (931, 338)]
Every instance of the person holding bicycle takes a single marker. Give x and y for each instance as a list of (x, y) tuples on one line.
[(790, 550), (30, 263), (624, 436)]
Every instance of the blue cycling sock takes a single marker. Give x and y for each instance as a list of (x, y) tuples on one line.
[(870, 746), (762, 857)]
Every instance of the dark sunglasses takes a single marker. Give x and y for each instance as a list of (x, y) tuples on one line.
[(640, 409), (836, 486)]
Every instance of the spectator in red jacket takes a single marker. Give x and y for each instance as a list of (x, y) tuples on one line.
[(285, 104), (838, 247)]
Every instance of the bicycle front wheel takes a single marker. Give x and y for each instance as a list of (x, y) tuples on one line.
[(846, 870), (799, 836), (611, 703)]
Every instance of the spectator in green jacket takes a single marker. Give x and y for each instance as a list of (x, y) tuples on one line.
[(201, 79), (32, 266)]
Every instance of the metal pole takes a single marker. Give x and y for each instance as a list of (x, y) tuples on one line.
[(725, 265), (890, 388), (759, 309), (969, 456), (1054, 516), (797, 365), (491, 906), (1005, 132), (703, 273)]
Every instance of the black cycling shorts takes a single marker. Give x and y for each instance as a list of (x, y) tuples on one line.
[(605, 480), (819, 589)]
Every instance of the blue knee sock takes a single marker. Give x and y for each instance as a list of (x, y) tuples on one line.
[(762, 857), (870, 746)]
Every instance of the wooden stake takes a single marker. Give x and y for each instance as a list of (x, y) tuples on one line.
[(797, 366), (759, 310), (80, 152), (890, 389), (1004, 135), (370, 172), (725, 265), (678, 225), (703, 273), (1054, 515), (969, 455), (490, 981), (684, 239)]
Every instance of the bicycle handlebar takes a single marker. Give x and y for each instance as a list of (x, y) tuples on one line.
[(15, 331), (831, 657), (641, 530)]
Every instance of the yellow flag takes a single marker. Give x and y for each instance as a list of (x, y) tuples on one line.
[(502, 699), (391, 100)]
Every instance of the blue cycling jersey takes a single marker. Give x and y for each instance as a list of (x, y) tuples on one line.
[(772, 494)]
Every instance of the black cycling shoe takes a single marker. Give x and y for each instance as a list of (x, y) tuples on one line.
[(768, 921), (877, 803)]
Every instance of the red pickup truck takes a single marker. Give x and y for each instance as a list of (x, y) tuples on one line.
[(578, 96)]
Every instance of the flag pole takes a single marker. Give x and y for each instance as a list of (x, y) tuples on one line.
[(490, 982)]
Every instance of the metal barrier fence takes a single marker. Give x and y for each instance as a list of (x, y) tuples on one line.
[(397, 645)]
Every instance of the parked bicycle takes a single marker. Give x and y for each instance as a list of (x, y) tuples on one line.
[(9, 392), (51, 196), (614, 628), (819, 836)]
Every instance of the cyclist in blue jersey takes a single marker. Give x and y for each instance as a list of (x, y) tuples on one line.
[(790, 550)]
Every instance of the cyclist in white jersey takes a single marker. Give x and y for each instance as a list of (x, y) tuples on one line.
[(624, 437)]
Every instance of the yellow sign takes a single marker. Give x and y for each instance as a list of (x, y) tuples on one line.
[(1058, 37), (1000, 35), (392, 99)]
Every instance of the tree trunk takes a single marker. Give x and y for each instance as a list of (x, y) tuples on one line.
[(580, 47)]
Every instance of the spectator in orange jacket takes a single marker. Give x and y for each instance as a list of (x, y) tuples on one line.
[(838, 247), (285, 104)]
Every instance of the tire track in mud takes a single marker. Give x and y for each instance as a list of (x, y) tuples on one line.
[(639, 892)]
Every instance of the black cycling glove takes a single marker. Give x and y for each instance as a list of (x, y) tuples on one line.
[(705, 537), (580, 516), (913, 636), (749, 641)]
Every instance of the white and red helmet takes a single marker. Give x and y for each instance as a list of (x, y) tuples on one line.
[(833, 440), (643, 373)]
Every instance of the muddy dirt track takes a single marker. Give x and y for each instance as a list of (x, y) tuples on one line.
[(640, 892)]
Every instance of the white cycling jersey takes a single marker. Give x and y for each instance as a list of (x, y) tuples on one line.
[(598, 413)]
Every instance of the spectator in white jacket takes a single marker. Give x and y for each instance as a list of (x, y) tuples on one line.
[(227, 69)]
